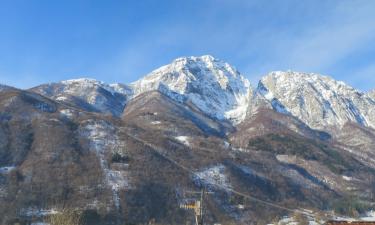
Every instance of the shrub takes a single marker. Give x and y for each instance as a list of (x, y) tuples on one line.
[(118, 158), (349, 206), (300, 219), (66, 217)]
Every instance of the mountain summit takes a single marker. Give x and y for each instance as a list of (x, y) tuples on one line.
[(217, 89), (133, 152), (372, 94), (212, 85), (88, 93), (319, 101)]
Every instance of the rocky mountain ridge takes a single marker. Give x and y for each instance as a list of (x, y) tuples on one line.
[(91, 94), (4, 87), (219, 90), (212, 85), (319, 101), (372, 94), (121, 152)]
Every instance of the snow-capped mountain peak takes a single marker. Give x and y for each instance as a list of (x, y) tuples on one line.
[(89, 83), (219, 90), (371, 94), (5, 87), (319, 101), (82, 80), (212, 85), (88, 93), (121, 88)]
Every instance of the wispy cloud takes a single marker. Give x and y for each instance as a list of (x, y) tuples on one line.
[(364, 78), (255, 36), (351, 27), (348, 28)]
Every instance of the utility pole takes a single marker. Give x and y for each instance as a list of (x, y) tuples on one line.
[(197, 206), (199, 210), (372, 188)]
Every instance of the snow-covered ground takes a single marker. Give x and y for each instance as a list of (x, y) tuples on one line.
[(370, 216), (226, 144), (219, 90), (6, 169), (61, 98), (213, 176), (103, 97), (35, 212), (183, 139), (117, 179), (319, 101), (287, 220), (347, 178), (214, 86), (291, 221), (68, 113), (103, 139)]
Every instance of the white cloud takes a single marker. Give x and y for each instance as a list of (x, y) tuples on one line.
[(349, 29), (319, 45), (364, 78), (255, 36)]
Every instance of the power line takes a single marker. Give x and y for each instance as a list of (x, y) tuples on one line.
[(157, 150)]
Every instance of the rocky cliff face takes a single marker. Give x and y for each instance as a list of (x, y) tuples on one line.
[(213, 86), (4, 87), (319, 101), (90, 94), (134, 152), (372, 94)]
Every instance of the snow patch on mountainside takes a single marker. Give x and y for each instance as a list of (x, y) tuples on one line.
[(369, 216), (212, 85), (36, 212), (317, 100), (220, 91), (269, 96), (371, 94), (89, 94), (316, 219), (183, 139), (103, 139), (5, 87), (213, 177), (120, 88), (6, 169), (87, 88), (68, 113)]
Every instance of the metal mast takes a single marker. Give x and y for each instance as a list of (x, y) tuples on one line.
[(197, 206)]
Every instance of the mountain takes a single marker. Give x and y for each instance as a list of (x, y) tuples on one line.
[(154, 109), (283, 160), (266, 121), (319, 101), (88, 94), (213, 86), (134, 153), (5, 87), (50, 155), (372, 94)]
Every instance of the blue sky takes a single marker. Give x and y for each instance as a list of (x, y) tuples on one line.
[(120, 41)]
